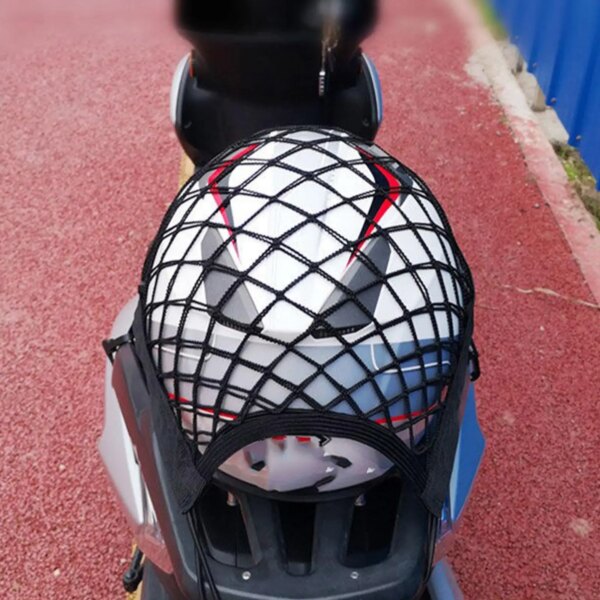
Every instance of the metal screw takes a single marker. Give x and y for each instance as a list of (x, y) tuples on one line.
[(553, 101), (579, 137), (246, 575), (354, 575)]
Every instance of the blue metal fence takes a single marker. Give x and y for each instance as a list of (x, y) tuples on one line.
[(560, 40)]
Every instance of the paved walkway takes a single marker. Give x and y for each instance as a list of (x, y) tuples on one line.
[(87, 166)]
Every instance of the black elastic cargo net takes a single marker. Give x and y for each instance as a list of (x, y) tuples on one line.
[(365, 372)]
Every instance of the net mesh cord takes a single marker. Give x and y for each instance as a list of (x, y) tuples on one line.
[(220, 366)]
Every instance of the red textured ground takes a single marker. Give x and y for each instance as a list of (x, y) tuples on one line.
[(88, 164)]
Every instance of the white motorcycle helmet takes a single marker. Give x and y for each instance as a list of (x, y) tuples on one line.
[(306, 272)]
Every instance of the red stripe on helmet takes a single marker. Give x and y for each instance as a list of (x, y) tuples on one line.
[(214, 187), (392, 194), (211, 412)]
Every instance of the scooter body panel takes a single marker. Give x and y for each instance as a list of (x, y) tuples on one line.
[(119, 456), (115, 444)]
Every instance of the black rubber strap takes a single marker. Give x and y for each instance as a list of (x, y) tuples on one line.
[(111, 346), (440, 459), (263, 426), (178, 452), (475, 367)]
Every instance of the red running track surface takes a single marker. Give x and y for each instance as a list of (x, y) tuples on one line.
[(88, 164)]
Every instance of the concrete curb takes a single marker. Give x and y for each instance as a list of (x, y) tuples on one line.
[(573, 219)]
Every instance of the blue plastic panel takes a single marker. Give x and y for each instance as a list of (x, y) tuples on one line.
[(589, 124), (469, 453), (525, 26), (560, 39), (505, 8), (570, 83), (545, 55)]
